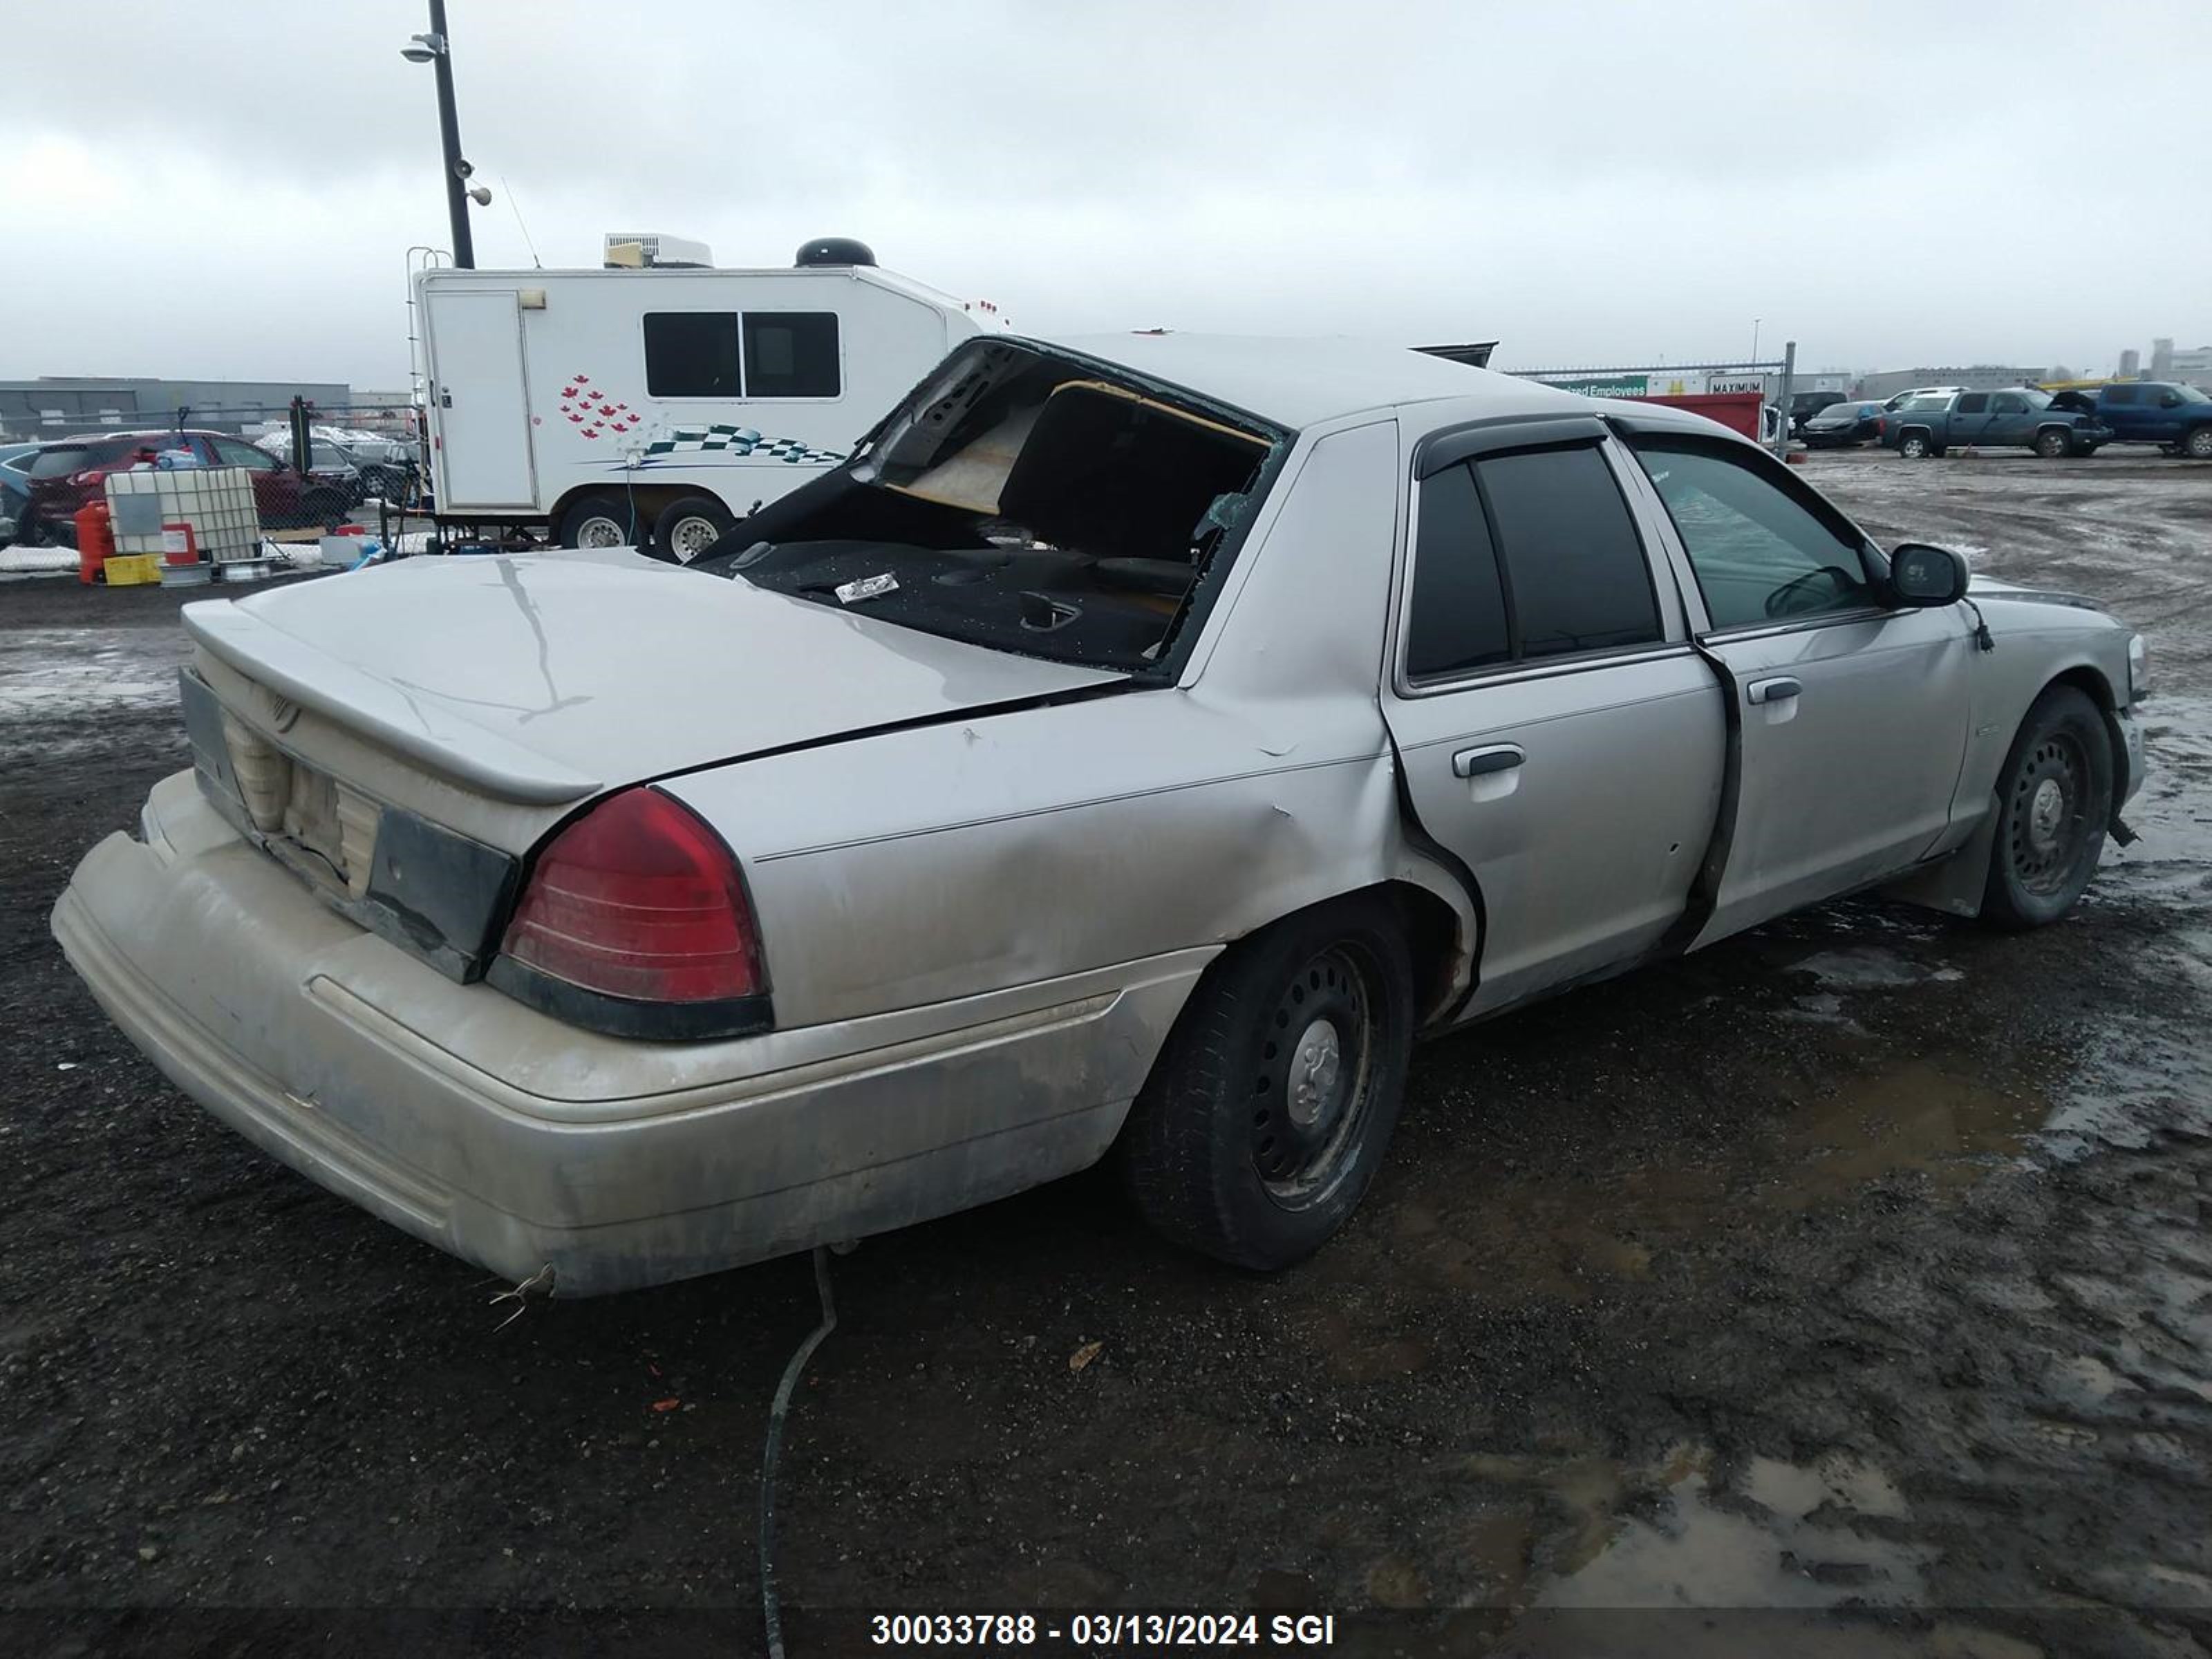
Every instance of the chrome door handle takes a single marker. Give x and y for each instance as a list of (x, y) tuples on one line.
[(1480, 762), (1775, 690)]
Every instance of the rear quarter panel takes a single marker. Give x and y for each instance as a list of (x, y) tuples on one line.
[(947, 859)]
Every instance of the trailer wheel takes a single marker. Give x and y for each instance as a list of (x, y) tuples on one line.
[(599, 520), (689, 526)]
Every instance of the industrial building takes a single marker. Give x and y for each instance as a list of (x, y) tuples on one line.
[(53, 405)]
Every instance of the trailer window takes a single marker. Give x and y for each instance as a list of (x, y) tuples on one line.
[(791, 354), (691, 353)]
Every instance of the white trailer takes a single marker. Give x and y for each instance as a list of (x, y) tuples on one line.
[(660, 406)]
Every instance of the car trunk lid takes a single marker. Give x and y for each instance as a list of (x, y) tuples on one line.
[(547, 679)]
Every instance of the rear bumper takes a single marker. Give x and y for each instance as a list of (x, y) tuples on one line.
[(518, 1143)]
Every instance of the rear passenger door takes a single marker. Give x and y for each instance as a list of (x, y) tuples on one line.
[(2120, 407), (1557, 734), (1970, 418), (1852, 712)]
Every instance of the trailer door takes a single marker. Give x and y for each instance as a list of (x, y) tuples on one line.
[(481, 402)]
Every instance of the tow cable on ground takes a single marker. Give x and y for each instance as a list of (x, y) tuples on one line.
[(771, 1611)]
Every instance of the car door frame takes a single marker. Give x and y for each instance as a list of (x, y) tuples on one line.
[(1671, 659), (1725, 912)]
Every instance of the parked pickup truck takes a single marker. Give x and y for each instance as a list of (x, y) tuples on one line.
[(2019, 416), (2177, 418)]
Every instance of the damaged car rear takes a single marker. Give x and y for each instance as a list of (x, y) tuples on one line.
[(1130, 750)]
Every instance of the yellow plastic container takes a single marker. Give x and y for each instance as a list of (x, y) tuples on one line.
[(132, 570)]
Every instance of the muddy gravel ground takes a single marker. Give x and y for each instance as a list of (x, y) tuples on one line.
[(1845, 1288)]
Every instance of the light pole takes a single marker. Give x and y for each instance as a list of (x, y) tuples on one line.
[(436, 49)]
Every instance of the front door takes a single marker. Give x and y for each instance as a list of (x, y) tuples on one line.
[(2012, 420), (1558, 735), (1853, 712)]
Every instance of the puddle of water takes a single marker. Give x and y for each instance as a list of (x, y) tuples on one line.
[(1702, 1546), (1870, 968), (44, 672), (1914, 1116)]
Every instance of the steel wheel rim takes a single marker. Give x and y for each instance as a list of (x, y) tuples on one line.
[(1313, 1084), (691, 537), (2047, 819), (600, 531)]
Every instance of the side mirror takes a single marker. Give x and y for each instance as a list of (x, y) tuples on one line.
[(1923, 576)]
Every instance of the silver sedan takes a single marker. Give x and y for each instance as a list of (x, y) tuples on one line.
[(1129, 753)]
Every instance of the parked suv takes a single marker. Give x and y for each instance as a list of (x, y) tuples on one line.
[(2018, 416), (2177, 418), (68, 474)]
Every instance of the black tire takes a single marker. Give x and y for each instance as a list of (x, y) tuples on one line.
[(600, 518), (689, 526), (2052, 443), (1914, 446), (2054, 804), (1253, 1137), (2197, 445)]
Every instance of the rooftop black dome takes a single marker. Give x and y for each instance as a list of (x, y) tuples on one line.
[(834, 251)]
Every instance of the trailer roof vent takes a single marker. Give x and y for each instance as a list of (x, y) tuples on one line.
[(834, 251)]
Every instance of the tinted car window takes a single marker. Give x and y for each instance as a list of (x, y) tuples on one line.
[(691, 353), (1974, 403), (230, 453), (1574, 566), (59, 463), (1456, 619), (1759, 553), (791, 354), (2119, 394)]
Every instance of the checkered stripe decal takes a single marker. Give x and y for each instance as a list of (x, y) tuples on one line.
[(739, 441)]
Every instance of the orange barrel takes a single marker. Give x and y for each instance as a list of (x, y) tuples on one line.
[(95, 541)]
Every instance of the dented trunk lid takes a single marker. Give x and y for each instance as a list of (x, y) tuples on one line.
[(543, 679)]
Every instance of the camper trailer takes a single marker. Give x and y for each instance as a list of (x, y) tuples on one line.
[(655, 406)]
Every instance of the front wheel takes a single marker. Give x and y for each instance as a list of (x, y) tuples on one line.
[(2054, 801), (598, 520), (2051, 444), (1269, 1107), (688, 527)]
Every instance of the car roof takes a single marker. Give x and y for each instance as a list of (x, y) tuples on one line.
[(1298, 383), (140, 434)]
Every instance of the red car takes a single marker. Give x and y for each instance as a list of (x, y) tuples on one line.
[(66, 474)]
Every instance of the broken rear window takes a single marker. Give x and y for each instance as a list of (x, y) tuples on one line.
[(1026, 501)]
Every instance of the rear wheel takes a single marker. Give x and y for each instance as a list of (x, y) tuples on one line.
[(2054, 801), (598, 520), (1914, 446), (2051, 443), (1269, 1107), (690, 525), (2197, 445)]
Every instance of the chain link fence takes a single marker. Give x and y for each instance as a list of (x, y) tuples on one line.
[(315, 467)]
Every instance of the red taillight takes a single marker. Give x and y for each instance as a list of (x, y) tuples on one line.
[(638, 899)]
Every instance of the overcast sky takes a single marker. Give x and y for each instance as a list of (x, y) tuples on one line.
[(231, 189)]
